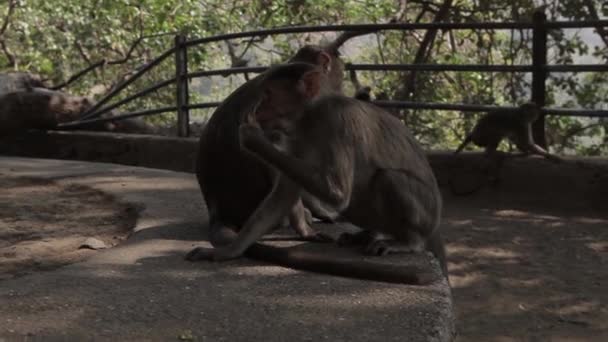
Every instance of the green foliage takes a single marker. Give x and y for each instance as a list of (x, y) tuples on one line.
[(60, 38)]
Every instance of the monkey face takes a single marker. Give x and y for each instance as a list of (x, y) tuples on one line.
[(529, 111), (279, 100)]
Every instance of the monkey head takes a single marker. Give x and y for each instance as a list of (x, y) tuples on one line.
[(286, 90), (529, 111), (327, 58), (364, 94)]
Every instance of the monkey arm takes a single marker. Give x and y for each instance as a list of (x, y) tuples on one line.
[(329, 187)]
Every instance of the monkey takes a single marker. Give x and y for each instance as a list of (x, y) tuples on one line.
[(234, 183), (353, 156), (516, 125), (38, 108), (362, 93)]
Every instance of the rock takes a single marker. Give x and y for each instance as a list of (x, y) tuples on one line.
[(93, 243)]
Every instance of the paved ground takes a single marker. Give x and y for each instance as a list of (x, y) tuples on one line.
[(143, 290)]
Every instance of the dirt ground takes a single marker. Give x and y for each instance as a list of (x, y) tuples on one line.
[(528, 268), (43, 224)]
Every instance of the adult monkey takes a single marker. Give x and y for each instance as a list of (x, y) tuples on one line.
[(233, 182), (353, 156)]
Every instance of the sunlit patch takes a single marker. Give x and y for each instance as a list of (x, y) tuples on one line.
[(458, 266), (512, 213), (496, 253), (591, 220), (577, 308), (467, 280), (273, 271), (458, 223), (336, 296), (599, 247), (519, 283), (555, 224), (456, 248), (145, 183), (483, 252)]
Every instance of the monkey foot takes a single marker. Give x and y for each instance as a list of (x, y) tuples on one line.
[(200, 253)]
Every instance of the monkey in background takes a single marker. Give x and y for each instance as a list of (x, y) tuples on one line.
[(354, 157), (516, 125)]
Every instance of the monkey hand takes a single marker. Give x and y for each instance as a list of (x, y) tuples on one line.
[(250, 134)]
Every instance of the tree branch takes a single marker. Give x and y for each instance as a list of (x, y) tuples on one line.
[(12, 4), (344, 36), (603, 33), (94, 66), (12, 62), (408, 91)]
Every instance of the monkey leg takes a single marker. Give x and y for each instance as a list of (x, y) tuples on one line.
[(281, 199), (300, 220), (219, 235), (406, 209), (318, 209)]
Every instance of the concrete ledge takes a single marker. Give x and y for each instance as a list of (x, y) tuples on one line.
[(460, 172), (143, 289), (176, 154)]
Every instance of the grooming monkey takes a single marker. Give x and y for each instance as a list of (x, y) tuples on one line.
[(233, 182), (353, 156), (516, 125)]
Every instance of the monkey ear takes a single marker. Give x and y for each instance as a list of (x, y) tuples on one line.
[(324, 60), (310, 84)]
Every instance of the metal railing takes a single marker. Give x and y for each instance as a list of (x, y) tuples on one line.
[(539, 70)]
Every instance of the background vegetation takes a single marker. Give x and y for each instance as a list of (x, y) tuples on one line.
[(58, 38)]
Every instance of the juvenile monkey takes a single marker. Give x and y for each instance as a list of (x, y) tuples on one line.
[(351, 155), (516, 125)]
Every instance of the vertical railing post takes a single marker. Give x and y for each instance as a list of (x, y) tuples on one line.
[(539, 72), (181, 82)]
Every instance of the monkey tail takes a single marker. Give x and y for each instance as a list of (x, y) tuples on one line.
[(314, 262), (466, 141)]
